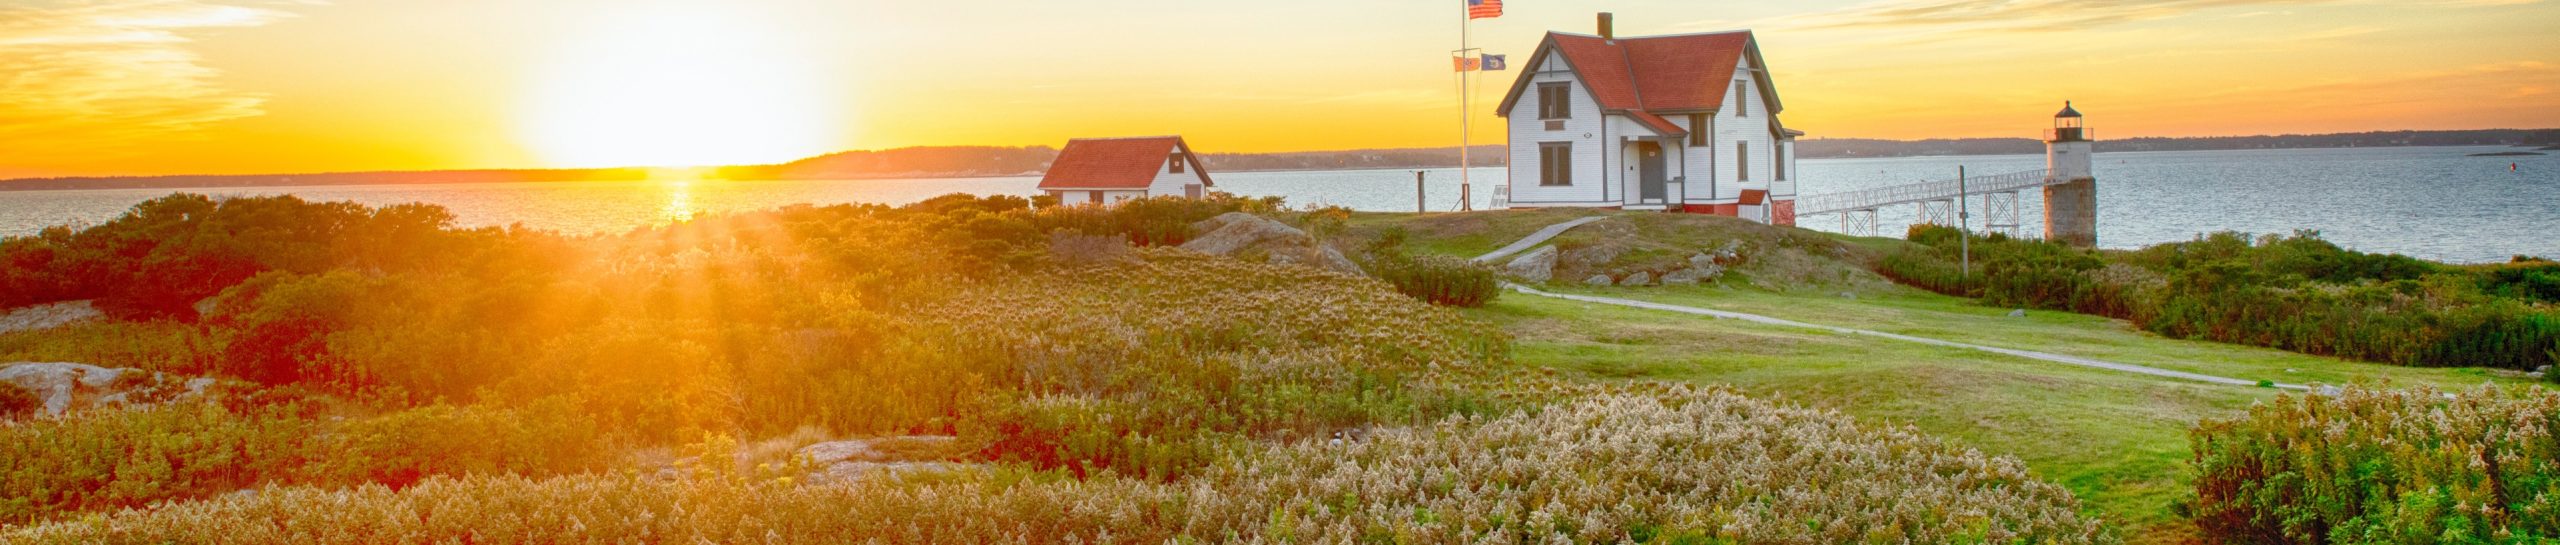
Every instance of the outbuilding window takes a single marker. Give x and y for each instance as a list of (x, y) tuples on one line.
[(1555, 100), (1555, 163), (1173, 163), (1697, 130)]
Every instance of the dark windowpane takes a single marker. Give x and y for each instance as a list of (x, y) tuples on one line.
[(1173, 163), (1697, 129), (1741, 98), (1742, 161)]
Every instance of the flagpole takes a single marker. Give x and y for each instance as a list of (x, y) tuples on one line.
[(1466, 127)]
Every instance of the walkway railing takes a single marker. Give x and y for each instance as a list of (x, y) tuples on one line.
[(1870, 199)]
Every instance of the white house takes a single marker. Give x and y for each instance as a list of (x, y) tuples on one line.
[(1684, 122), (1110, 170)]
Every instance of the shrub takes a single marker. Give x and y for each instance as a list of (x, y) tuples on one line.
[(1674, 466), (2295, 293), (131, 458), (2383, 466), (16, 401), (1440, 280), (545, 438)]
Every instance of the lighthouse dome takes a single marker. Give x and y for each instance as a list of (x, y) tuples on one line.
[(2067, 110)]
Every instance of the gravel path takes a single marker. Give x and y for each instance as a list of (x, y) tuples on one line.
[(1552, 230), (1536, 238)]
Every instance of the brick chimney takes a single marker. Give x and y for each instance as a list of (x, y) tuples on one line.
[(1607, 30)]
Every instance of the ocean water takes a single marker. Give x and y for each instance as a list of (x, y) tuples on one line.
[(2434, 203)]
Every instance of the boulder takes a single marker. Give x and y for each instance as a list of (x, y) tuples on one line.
[(1598, 280), (1702, 261), (1212, 224), (2018, 313), (1537, 266), (1640, 278), (1685, 277), (47, 316), (1237, 231), (64, 387), (904, 448)]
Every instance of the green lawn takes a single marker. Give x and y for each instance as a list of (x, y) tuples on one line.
[(2117, 439)]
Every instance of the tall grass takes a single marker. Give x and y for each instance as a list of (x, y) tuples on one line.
[(1673, 466)]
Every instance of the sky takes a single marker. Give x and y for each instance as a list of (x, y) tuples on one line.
[(144, 87)]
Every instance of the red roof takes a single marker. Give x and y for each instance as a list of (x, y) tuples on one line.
[(1657, 73), (1755, 196), (1115, 163)]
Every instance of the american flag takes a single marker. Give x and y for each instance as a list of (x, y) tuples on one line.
[(1484, 9)]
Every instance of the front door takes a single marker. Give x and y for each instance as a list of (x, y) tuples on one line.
[(1650, 175)]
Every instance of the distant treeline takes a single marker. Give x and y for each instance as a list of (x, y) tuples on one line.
[(970, 161), (1861, 147)]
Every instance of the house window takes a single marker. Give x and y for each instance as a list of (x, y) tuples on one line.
[(1778, 161), (1093, 197), (1741, 98), (1173, 163), (1555, 163), (1697, 130), (1554, 100), (1742, 161)]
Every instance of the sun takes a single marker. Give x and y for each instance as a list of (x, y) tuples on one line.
[(675, 84)]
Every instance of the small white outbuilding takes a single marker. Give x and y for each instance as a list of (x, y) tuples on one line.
[(1111, 170)]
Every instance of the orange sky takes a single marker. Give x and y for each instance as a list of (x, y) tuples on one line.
[(101, 87)]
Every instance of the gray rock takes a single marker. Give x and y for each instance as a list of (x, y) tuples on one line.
[(2327, 390), (849, 472), (2542, 369), (64, 387), (2018, 313), (904, 448), (1685, 277), (1318, 256), (1640, 278), (1212, 224), (1598, 280), (47, 316), (1702, 261), (55, 384), (1849, 295), (1245, 232), (1537, 266)]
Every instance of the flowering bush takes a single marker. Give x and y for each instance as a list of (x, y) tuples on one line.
[(1440, 280), (2383, 466), (1677, 465)]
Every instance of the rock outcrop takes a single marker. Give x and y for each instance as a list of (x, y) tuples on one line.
[(1537, 266), (892, 457), (1236, 234), (65, 387), (47, 316)]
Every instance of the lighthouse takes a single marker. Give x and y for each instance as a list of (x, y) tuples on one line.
[(2071, 196)]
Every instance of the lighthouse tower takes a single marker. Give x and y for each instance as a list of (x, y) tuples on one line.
[(2071, 199)]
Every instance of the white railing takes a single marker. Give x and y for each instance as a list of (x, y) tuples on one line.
[(1869, 199)]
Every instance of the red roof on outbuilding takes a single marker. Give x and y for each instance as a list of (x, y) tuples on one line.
[(1755, 196), (1114, 163)]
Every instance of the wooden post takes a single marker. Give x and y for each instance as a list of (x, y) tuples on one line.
[(1964, 227), (1420, 205)]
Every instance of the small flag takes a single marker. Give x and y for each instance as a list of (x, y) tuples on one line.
[(1484, 9), (1495, 63), (1467, 64)]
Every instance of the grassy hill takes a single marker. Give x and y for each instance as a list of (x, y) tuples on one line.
[(2119, 441)]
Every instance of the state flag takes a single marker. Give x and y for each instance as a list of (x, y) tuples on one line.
[(1467, 64), (1493, 63)]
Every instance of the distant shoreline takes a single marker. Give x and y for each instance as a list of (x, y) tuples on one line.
[(1354, 160)]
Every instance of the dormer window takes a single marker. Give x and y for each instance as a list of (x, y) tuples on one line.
[(1173, 163), (1741, 98)]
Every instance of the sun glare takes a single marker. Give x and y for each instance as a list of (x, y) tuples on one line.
[(675, 84)]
